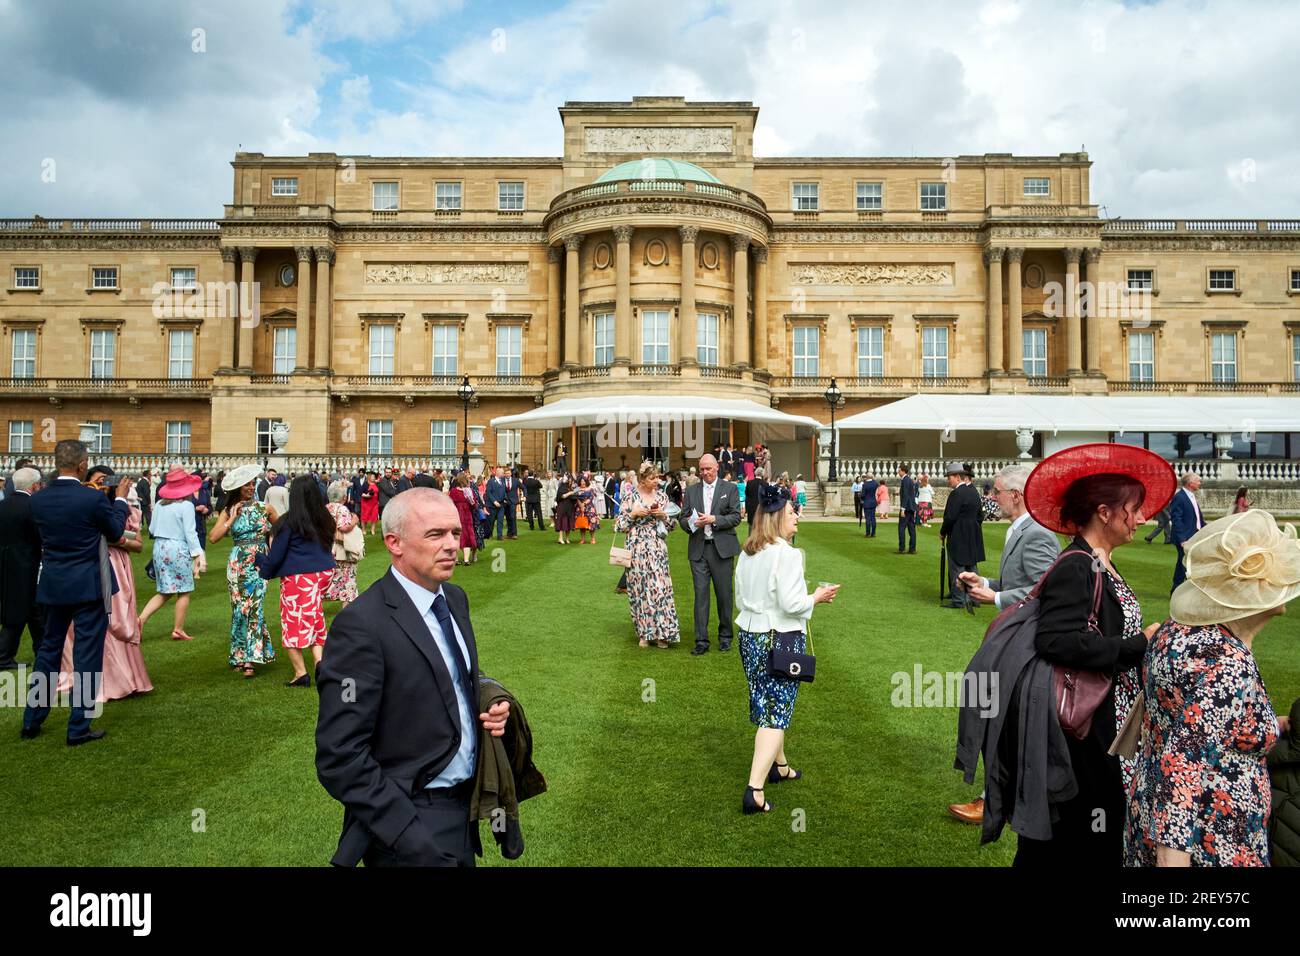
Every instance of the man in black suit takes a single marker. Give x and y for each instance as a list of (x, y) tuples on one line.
[(423, 479), (869, 505), (9, 482), (202, 508), (268, 481), (76, 587), (906, 508), (533, 501), (396, 735), (710, 513), (753, 494), (387, 488), (20, 562), (359, 485), (144, 491), (961, 531)]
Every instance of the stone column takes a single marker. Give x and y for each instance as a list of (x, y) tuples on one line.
[(302, 361), (993, 259), (688, 324), (324, 309), (571, 306), (622, 295), (230, 308), (1093, 318), (1015, 309), (760, 307), (740, 304), (1073, 331), (552, 307), (247, 258)]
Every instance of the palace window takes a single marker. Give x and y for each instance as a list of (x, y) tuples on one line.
[(379, 437), (284, 185), (442, 438), (1141, 357), (27, 277), (1141, 280), (446, 349), (1295, 280), (805, 197), (20, 437), (178, 438), (382, 343), (185, 278), (103, 277), (934, 351), (870, 195), (510, 197), (654, 338), (706, 338), (1038, 186), (284, 349), (446, 195), (24, 354), (265, 445), (510, 349), (871, 351), (103, 349), (934, 196), (1223, 357), (102, 444), (603, 350), (1035, 352), (1223, 280), (180, 353), (509, 443), (383, 196), (806, 361), (1295, 357)]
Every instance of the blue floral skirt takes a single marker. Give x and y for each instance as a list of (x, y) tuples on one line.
[(771, 699), (173, 566)]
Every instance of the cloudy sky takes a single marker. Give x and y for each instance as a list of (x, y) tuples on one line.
[(136, 108)]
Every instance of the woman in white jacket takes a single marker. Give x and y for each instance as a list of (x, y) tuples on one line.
[(771, 598)]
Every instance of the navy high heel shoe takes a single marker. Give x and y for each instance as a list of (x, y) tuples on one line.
[(749, 805), (774, 775)]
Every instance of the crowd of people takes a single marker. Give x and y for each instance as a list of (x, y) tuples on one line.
[(1165, 724)]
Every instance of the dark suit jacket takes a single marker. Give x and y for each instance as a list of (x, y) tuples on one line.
[(388, 733), (261, 488), (387, 491), (868, 494), (753, 495), (20, 559), (511, 485), (962, 516), (495, 492), (726, 506), (532, 489), (1182, 516), (71, 519), (145, 491), (907, 493), (422, 480)]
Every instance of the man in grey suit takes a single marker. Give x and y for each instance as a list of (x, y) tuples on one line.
[(710, 513), (1029, 551)]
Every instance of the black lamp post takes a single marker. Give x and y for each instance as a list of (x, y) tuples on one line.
[(466, 393), (833, 395)]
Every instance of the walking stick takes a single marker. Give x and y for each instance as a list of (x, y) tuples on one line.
[(943, 570)]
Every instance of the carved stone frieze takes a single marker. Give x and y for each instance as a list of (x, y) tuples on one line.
[(446, 273), (871, 273), (645, 140)]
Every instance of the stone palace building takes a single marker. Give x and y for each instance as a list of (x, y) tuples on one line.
[(656, 256)]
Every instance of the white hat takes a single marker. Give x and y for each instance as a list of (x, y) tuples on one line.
[(1237, 566), (238, 477)]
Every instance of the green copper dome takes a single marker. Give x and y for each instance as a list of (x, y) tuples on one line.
[(654, 168)]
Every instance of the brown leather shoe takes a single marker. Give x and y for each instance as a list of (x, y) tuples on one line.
[(972, 812)]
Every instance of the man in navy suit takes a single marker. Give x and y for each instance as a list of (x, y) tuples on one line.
[(1186, 519), (76, 585), (869, 504), (906, 508)]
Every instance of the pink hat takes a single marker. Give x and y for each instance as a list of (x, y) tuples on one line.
[(179, 483)]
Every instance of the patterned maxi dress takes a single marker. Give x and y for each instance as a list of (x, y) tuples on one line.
[(649, 583), (343, 582), (250, 641)]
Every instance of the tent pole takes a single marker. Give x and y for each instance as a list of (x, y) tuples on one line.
[(573, 443)]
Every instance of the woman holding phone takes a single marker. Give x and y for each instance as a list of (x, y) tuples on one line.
[(644, 518), (771, 599)]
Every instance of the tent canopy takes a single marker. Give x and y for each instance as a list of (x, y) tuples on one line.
[(612, 409), (1080, 413)]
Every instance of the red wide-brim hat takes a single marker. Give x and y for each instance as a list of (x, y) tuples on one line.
[(179, 483), (1046, 485)]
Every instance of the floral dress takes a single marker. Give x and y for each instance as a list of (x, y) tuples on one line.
[(1127, 683), (649, 583), (587, 509), (1201, 783), (250, 641), (343, 582)]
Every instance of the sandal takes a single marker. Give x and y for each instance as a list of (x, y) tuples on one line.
[(643, 643), (776, 776), (749, 804), (180, 636)]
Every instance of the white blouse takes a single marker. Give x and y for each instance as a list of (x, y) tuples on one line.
[(925, 493), (771, 593)]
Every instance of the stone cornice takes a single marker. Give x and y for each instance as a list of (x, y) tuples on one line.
[(718, 216), (1261, 243), (124, 241)]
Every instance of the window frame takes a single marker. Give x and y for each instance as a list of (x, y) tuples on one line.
[(1232, 363), (460, 195), (806, 357), (523, 195), (193, 340), (796, 201), (29, 434), (97, 447), (507, 356), (13, 352), (284, 364), (1028, 334), (397, 195), (194, 282), (276, 183), (262, 439), (94, 279), (18, 286), (603, 325), (182, 435), (702, 347), (858, 197), (373, 433), (647, 343), (1210, 279), (109, 336), (1133, 336), (863, 356), (450, 360), (1047, 187), (922, 198), (946, 358), (370, 349), (449, 440)]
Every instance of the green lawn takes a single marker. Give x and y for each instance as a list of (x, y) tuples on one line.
[(631, 782)]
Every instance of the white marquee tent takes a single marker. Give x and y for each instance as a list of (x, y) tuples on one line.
[(612, 409)]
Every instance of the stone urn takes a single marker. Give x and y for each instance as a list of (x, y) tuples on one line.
[(1223, 445), (1025, 441), (280, 436)]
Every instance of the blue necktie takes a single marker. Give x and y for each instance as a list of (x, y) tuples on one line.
[(443, 613)]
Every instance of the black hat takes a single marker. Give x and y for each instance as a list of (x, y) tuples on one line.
[(774, 497)]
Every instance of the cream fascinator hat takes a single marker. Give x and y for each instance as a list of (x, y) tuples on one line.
[(1237, 566)]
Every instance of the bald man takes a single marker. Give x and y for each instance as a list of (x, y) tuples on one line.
[(710, 513)]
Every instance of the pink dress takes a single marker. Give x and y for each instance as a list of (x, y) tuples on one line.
[(882, 500), (124, 670)]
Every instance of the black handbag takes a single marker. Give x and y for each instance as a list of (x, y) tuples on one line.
[(785, 661)]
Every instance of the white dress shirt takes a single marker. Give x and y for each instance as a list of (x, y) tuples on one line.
[(771, 594), (708, 508), (1196, 506), (461, 767)]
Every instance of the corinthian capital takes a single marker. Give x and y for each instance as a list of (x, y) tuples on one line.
[(1072, 255), (993, 254), (1015, 255), (688, 233), (739, 242), (229, 253), (553, 254), (303, 253), (760, 254), (325, 254), (573, 243), (1093, 255), (623, 233), (248, 254)]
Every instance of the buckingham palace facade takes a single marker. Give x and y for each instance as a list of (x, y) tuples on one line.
[(656, 256)]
